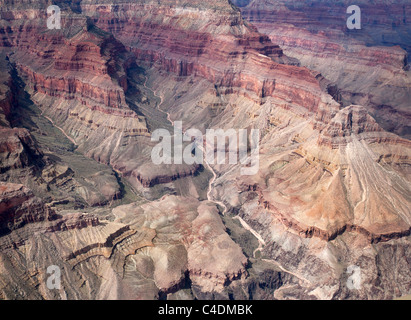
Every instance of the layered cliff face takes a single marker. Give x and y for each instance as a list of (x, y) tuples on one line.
[(335, 188), (332, 189), (384, 23), (26, 153), (369, 66), (232, 60), (77, 76), (81, 246), (73, 70), (19, 206)]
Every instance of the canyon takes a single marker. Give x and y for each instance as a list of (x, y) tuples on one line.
[(79, 190)]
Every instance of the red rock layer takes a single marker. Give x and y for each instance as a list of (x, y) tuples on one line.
[(73, 68), (74, 63), (215, 45), (77, 75)]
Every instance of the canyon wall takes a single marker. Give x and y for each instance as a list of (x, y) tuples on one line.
[(332, 190)]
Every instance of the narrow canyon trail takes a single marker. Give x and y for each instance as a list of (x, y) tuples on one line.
[(260, 239)]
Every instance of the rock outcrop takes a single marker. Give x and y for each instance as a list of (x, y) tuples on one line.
[(19, 206), (191, 240)]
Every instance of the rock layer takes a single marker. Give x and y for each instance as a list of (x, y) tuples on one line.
[(332, 190)]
